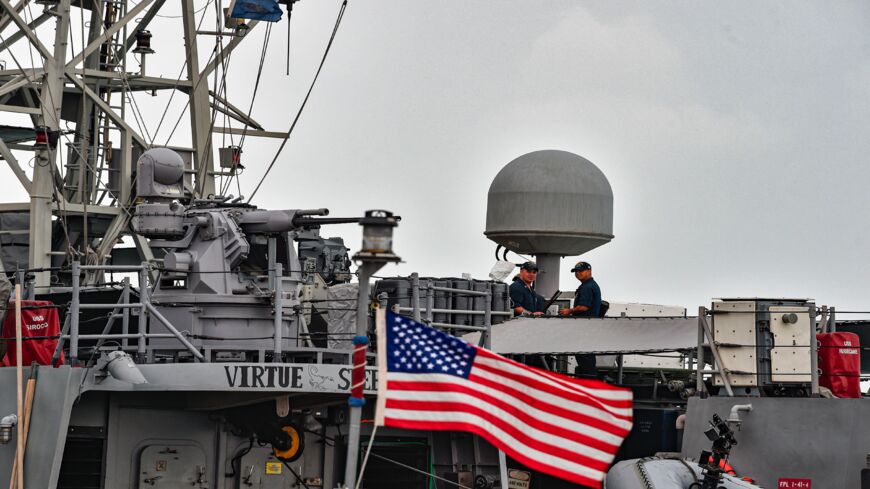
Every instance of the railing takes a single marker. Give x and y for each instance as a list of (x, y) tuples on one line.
[(72, 337), (120, 309), (417, 310), (422, 307)]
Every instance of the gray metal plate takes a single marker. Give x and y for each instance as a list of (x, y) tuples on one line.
[(824, 440)]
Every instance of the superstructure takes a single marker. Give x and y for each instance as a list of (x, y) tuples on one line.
[(205, 342)]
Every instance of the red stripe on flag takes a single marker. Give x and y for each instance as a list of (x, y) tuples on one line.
[(549, 406), (510, 430), (506, 448), (565, 383), (586, 383), (515, 408)]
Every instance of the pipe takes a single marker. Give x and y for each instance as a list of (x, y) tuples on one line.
[(279, 309), (699, 354), (144, 299), (18, 478), (74, 315), (547, 283), (415, 296), (734, 416), (192, 349)]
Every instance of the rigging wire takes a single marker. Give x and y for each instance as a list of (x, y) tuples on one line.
[(256, 84), (126, 90), (187, 103), (180, 16), (201, 175), (305, 100), (225, 188), (175, 86)]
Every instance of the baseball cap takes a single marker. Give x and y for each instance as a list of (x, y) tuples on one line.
[(581, 266), (530, 265)]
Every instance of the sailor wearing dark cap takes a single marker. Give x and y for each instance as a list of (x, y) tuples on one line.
[(526, 301), (587, 299), (587, 302)]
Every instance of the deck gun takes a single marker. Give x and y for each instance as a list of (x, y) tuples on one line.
[(225, 260)]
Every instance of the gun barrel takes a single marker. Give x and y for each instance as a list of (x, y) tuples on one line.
[(323, 211), (312, 221)]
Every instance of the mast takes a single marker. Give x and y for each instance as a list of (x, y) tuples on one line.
[(86, 131)]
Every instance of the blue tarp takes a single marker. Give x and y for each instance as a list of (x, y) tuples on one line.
[(267, 10)]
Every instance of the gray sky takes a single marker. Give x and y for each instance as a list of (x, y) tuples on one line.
[(734, 134)]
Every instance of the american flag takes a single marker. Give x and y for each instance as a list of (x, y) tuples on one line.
[(559, 425)]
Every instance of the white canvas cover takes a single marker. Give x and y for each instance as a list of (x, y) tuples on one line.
[(592, 335)]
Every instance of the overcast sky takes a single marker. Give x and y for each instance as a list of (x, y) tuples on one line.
[(734, 134)]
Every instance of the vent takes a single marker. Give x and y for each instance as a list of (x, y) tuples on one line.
[(82, 464)]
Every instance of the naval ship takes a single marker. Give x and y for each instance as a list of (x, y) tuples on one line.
[(216, 351)]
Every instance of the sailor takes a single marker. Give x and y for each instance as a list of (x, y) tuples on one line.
[(526, 301), (587, 299), (587, 302)]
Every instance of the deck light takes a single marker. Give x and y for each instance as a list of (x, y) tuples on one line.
[(143, 42), (377, 243)]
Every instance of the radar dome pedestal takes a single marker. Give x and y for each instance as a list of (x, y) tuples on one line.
[(550, 204)]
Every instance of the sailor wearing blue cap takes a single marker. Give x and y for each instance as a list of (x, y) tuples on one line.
[(587, 302), (587, 299)]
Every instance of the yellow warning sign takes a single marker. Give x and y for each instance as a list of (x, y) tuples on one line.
[(274, 468)]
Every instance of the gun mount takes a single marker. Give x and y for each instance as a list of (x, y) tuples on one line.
[(228, 264)]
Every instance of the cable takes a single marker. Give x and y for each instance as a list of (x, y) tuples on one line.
[(298, 479), (256, 83), (238, 456), (225, 188), (180, 16), (187, 104), (419, 471), (304, 101)]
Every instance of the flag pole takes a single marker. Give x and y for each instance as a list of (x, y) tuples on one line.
[(502, 469), (381, 334), (356, 401)]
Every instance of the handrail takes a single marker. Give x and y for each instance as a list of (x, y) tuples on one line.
[(144, 307), (472, 312), (430, 310)]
